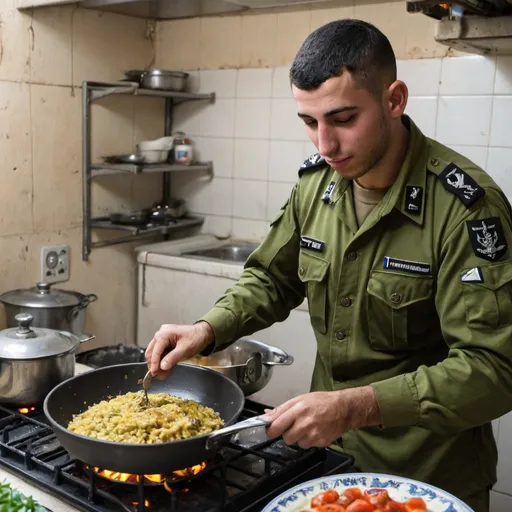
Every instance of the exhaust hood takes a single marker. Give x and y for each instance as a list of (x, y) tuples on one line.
[(174, 9)]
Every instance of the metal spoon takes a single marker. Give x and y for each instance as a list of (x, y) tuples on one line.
[(146, 383)]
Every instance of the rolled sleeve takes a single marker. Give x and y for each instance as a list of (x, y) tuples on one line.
[(224, 326), (397, 399)]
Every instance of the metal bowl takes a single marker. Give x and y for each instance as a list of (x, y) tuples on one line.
[(164, 80), (247, 362)]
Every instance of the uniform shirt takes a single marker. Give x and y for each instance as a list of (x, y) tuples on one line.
[(417, 303)]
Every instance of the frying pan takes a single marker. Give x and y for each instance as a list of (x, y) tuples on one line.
[(208, 387)]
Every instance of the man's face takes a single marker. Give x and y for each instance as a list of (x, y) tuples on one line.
[(347, 124)]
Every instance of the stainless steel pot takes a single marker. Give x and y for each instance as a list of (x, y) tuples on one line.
[(164, 80), (51, 308), (247, 362), (34, 360)]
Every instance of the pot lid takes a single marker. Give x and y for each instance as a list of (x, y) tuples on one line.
[(41, 296), (26, 342)]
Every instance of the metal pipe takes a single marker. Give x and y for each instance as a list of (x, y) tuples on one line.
[(86, 172), (166, 179)]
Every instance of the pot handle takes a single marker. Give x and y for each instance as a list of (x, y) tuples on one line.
[(82, 338), (91, 297), (281, 358), (214, 438)]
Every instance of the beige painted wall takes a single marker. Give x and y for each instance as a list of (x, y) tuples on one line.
[(44, 56), (271, 38)]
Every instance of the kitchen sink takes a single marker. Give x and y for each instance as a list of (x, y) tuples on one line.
[(233, 252)]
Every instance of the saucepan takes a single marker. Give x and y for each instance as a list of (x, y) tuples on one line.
[(247, 362), (33, 360)]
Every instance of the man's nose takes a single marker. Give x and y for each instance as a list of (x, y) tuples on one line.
[(327, 143)]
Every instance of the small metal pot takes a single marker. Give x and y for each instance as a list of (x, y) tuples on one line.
[(164, 80), (51, 308), (247, 362), (33, 361)]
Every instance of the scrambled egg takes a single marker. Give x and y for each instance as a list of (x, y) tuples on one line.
[(127, 419)]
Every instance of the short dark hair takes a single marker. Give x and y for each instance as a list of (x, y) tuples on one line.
[(352, 45)]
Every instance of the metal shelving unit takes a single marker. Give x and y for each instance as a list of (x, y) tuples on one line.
[(94, 91)]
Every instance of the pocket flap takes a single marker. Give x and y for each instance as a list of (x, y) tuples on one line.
[(494, 276), (399, 290), (311, 267)]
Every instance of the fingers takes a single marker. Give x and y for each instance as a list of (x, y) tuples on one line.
[(164, 340), (149, 351), (282, 420)]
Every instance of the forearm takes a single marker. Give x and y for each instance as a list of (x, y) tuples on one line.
[(361, 407), (451, 396)]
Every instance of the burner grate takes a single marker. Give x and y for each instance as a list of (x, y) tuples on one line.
[(247, 473)]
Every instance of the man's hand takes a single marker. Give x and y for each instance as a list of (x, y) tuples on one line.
[(319, 419), (179, 342)]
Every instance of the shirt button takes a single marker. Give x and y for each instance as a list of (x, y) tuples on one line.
[(352, 256), (340, 335), (345, 301), (435, 162), (301, 270), (396, 298)]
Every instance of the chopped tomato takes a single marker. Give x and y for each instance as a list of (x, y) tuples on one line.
[(331, 507), (330, 496), (350, 495), (360, 506), (415, 505), (377, 497), (394, 506)]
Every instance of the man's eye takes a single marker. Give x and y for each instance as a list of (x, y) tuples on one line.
[(309, 122), (345, 121)]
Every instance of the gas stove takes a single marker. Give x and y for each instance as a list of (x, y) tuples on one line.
[(247, 474)]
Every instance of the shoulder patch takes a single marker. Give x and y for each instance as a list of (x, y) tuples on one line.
[(460, 183), (314, 161), (487, 238)]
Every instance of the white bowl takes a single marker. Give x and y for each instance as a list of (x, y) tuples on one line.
[(152, 156), (162, 144)]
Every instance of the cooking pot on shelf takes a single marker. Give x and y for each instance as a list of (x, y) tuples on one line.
[(51, 308), (247, 362), (34, 360)]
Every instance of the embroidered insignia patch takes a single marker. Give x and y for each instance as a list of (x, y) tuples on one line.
[(414, 267), (315, 160), (487, 238), (413, 199), (326, 198), (458, 182), (473, 275), (307, 242)]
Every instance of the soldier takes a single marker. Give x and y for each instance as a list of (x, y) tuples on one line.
[(401, 247)]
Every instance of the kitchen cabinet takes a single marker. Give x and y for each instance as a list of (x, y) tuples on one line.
[(175, 289), (95, 91)]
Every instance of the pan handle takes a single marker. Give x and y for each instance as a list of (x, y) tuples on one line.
[(281, 358), (257, 421)]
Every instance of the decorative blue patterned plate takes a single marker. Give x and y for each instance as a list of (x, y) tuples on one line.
[(400, 489)]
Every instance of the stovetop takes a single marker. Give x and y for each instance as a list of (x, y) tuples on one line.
[(247, 473)]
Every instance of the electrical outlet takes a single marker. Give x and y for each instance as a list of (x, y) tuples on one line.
[(55, 263)]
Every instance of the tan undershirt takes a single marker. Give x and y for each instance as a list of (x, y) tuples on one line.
[(365, 200)]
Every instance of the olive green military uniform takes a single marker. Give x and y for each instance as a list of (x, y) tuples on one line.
[(417, 302)]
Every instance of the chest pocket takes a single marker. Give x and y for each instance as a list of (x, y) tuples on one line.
[(313, 272), (399, 310)]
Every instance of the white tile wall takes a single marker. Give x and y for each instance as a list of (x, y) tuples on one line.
[(257, 142), (470, 75)]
